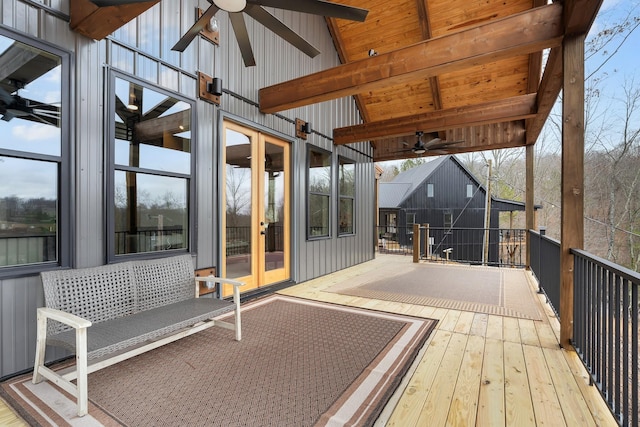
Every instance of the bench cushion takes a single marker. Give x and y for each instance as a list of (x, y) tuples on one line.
[(117, 334)]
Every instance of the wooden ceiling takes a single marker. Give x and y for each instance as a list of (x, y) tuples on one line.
[(466, 70)]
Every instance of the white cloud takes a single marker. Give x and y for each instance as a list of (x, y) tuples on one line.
[(35, 132)]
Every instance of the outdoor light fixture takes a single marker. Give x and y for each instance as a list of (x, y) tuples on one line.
[(213, 25), (231, 5), (133, 101), (215, 86), (306, 128), (302, 129)]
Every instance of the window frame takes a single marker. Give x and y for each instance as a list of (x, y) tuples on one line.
[(430, 190), (410, 224), (312, 148), (345, 160), (65, 213), (469, 191), (111, 169)]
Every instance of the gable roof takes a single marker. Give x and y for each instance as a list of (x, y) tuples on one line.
[(393, 193)]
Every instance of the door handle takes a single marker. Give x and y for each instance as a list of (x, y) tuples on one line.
[(262, 232)]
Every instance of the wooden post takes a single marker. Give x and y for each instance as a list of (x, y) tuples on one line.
[(529, 210), (427, 248), (416, 242), (572, 217), (487, 219)]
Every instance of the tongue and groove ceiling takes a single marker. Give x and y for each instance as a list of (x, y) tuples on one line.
[(464, 71)]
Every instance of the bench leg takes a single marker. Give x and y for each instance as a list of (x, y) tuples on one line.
[(81, 367), (236, 300), (41, 343)]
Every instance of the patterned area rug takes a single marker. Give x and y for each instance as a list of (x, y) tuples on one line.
[(491, 290), (300, 363)]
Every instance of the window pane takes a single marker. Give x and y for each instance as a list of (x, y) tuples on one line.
[(319, 172), (28, 211), (346, 215), (238, 189), (469, 190), (150, 213), (30, 99), (429, 190), (347, 179), (153, 130), (318, 215)]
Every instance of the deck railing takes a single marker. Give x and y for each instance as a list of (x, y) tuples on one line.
[(605, 331), (465, 245), (545, 265)]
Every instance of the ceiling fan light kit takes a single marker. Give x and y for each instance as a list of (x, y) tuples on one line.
[(231, 5)]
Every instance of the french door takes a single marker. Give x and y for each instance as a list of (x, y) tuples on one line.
[(256, 224)]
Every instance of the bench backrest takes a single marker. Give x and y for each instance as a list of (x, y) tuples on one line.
[(110, 291), (163, 281)]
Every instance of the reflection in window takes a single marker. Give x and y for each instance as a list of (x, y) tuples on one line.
[(152, 170), (319, 186), (28, 211), (30, 154), (347, 186)]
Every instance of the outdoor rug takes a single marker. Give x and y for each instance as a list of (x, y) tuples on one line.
[(300, 363), (491, 290)]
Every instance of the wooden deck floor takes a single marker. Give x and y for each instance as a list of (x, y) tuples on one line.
[(479, 369), (476, 369)]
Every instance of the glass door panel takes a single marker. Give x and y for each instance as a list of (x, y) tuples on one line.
[(256, 221)]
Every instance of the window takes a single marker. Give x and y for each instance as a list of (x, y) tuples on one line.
[(469, 191), (152, 165), (319, 189), (34, 155), (411, 220), (429, 190), (448, 221), (347, 189)]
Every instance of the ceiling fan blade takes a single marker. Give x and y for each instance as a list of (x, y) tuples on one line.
[(317, 7), (279, 28), (440, 144), (103, 3), (195, 29), (242, 35)]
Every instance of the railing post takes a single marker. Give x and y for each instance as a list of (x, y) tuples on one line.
[(416, 243)]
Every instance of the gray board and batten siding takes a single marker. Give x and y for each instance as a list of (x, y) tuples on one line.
[(142, 50)]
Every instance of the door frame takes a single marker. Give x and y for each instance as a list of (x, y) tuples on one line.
[(220, 190)]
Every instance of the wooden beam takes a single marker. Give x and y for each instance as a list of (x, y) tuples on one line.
[(519, 34), (547, 94), (156, 128), (572, 187), (579, 15), (98, 22), (515, 108), (425, 27)]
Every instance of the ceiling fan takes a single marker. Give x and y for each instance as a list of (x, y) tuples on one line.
[(435, 145), (13, 105), (255, 9)]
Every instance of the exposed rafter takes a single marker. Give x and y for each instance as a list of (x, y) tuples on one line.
[(520, 107)]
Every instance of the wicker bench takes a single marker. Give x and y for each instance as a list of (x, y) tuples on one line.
[(111, 313)]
